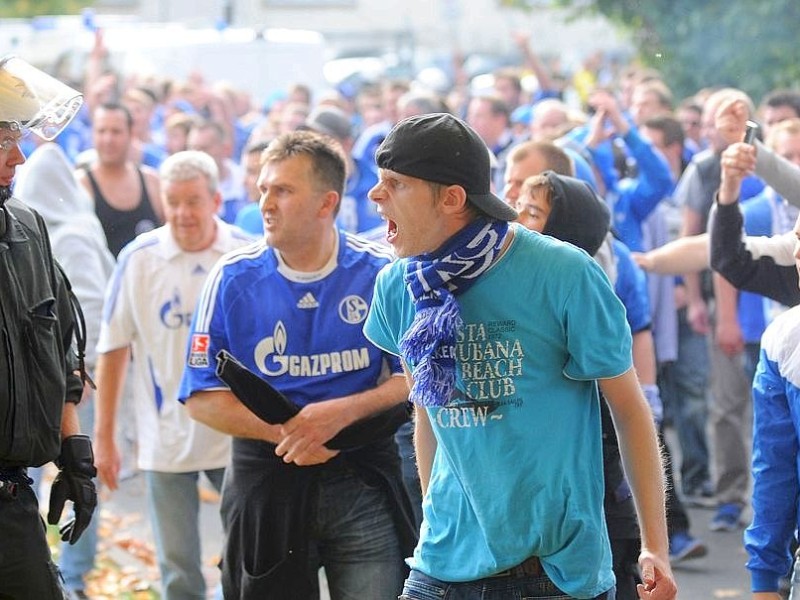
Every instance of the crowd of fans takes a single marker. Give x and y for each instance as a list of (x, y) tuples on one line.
[(654, 158)]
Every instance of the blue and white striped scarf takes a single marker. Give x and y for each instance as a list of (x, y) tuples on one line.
[(433, 281)]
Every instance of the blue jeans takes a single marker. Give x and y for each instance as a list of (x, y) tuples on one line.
[(354, 537), (684, 390), (419, 586), (174, 504)]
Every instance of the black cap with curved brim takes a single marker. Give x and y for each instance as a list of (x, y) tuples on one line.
[(442, 149)]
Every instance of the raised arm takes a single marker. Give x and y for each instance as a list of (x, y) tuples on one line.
[(779, 173), (731, 256)]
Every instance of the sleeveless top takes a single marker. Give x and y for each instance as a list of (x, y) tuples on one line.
[(121, 226)]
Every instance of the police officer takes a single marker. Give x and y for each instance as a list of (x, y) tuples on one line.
[(40, 376)]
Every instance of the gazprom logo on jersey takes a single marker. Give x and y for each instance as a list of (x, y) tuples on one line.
[(172, 314), (271, 358)]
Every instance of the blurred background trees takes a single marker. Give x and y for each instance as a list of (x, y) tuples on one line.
[(33, 8), (749, 44)]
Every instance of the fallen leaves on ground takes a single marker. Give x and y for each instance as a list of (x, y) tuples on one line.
[(121, 533), (108, 580)]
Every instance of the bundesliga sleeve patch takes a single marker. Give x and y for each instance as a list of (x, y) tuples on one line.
[(198, 353)]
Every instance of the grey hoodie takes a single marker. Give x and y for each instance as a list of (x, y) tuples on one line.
[(46, 184)]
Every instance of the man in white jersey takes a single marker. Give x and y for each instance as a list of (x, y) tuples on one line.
[(146, 316), (291, 309), (504, 332)]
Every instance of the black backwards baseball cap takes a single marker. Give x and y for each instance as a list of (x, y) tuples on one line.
[(442, 149)]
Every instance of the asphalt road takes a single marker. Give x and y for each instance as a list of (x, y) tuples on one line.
[(718, 575)]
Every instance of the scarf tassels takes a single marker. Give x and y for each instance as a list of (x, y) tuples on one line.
[(434, 281), (434, 327)]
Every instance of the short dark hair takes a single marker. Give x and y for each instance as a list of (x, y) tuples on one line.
[(117, 107), (670, 127), (256, 146), (776, 98), (326, 154), (497, 105), (660, 90), (691, 104), (554, 157), (509, 74), (220, 132)]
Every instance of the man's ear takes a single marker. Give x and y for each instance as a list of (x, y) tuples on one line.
[(330, 203), (218, 200), (454, 199)]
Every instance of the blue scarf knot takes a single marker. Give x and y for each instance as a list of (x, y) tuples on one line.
[(433, 281)]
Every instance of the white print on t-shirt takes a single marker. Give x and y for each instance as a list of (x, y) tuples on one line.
[(270, 358), (488, 362)]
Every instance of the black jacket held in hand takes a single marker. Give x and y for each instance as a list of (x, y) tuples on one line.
[(271, 406)]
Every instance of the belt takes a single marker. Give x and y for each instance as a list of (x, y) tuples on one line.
[(530, 567), (15, 474), (10, 479)]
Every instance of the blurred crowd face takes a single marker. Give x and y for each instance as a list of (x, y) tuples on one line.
[(141, 112), (189, 208), (111, 136), (206, 139), (548, 121), (175, 139), (507, 89), (293, 115), (252, 169), (370, 108), (487, 125), (797, 245), (644, 105), (787, 144), (518, 171), (775, 114), (692, 124)]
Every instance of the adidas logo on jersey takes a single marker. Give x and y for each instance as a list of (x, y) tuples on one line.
[(308, 301)]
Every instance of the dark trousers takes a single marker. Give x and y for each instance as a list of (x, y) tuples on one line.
[(27, 571), (677, 517)]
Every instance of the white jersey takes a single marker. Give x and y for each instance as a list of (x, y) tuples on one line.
[(149, 305)]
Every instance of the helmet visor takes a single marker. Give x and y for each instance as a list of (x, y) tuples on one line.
[(35, 100)]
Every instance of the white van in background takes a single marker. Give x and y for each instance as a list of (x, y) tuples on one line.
[(257, 61)]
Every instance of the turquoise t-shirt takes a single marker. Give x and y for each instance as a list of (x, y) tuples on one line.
[(518, 469)]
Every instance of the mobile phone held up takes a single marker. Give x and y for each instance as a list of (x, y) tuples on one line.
[(750, 132)]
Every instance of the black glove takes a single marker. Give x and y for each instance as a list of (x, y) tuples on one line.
[(74, 482)]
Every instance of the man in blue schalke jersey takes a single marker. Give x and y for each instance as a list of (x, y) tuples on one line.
[(506, 334), (292, 310)]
